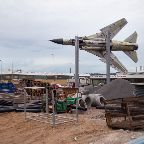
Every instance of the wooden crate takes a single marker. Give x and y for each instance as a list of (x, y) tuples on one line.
[(126, 113)]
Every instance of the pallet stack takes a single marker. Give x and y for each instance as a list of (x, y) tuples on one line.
[(125, 113), (33, 83)]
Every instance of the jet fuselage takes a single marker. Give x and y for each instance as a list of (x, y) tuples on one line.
[(99, 44)]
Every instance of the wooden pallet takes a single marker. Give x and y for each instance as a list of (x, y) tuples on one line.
[(126, 113)]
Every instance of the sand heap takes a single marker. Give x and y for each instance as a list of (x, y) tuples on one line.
[(118, 88)]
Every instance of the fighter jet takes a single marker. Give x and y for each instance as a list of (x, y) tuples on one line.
[(96, 44)]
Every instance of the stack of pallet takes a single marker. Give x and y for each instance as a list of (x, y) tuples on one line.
[(33, 83), (126, 113)]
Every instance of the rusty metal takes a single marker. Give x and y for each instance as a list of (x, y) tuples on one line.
[(69, 91), (125, 113), (35, 92)]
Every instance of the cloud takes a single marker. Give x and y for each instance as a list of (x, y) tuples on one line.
[(26, 26)]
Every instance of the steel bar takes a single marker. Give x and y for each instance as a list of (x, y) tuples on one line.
[(108, 57), (77, 71), (76, 61), (53, 108), (47, 109)]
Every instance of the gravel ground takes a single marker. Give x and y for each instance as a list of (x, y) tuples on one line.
[(91, 129)]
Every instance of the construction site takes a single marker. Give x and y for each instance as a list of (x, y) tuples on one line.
[(40, 112)]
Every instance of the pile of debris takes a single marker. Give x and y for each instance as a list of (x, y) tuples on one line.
[(118, 88)]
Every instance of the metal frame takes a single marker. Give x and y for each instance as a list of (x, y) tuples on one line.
[(77, 71), (42, 117), (76, 62), (1, 70), (52, 119), (108, 56)]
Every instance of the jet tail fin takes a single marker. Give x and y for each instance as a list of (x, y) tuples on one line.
[(132, 38), (132, 54)]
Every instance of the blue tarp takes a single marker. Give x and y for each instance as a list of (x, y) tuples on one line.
[(139, 140), (7, 87)]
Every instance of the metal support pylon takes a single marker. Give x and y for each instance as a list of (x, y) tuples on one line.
[(77, 71), (108, 40)]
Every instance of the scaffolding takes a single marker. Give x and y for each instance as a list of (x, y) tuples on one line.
[(54, 118), (51, 118)]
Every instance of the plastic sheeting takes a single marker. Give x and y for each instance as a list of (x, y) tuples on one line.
[(139, 140)]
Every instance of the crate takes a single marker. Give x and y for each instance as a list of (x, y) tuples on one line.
[(125, 113)]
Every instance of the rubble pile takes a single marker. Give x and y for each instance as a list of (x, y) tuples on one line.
[(118, 88)]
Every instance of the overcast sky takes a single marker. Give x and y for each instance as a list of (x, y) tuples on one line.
[(27, 25)]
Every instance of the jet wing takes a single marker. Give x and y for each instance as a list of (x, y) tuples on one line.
[(94, 36), (113, 28), (114, 62)]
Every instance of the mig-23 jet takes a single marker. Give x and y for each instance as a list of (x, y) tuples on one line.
[(96, 44)]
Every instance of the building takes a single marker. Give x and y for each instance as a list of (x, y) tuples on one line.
[(64, 77)]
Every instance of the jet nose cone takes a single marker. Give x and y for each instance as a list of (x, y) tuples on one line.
[(58, 41)]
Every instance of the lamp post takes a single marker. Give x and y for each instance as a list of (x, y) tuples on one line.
[(1, 70), (12, 71)]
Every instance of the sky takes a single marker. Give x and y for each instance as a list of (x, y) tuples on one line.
[(27, 25)]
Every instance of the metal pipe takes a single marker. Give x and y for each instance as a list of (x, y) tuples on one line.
[(12, 71), (1, 70), (108, 57), (25, 103), (53, 109), (47, 109), (76, 62), (77, 71), (77, 107)]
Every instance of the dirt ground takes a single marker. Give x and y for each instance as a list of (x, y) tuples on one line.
[(91, 129)]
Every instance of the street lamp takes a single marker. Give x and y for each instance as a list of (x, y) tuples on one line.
[(1, 70)]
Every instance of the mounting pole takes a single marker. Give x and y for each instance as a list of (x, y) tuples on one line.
[(53, 109), (76, 62), (47, 108), (25, 103), (77, 71), (1, 71), (108, 40)]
